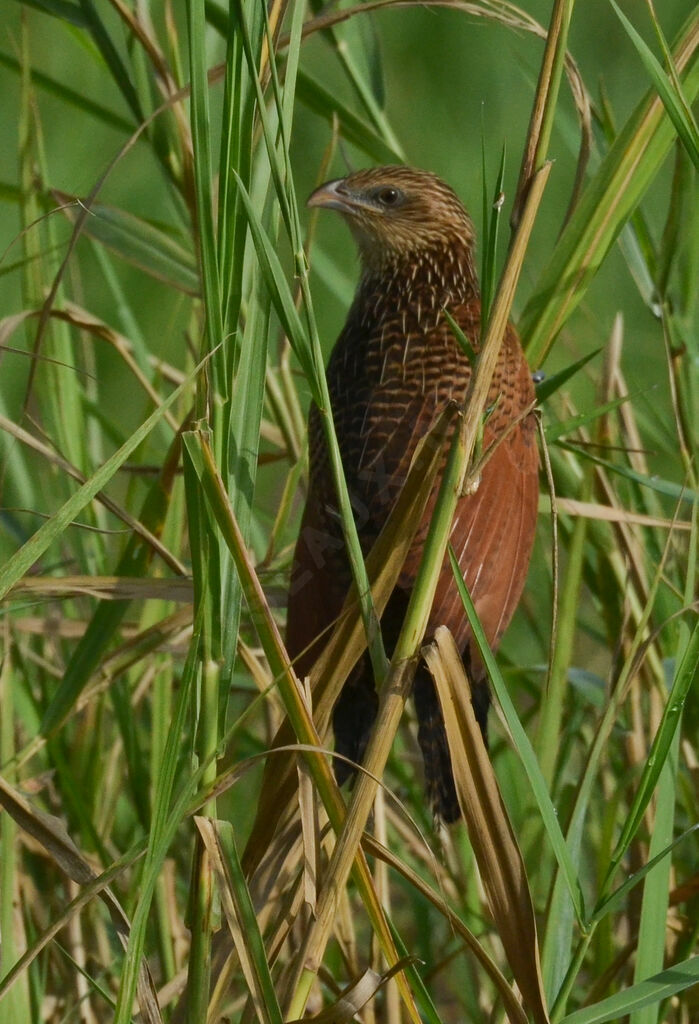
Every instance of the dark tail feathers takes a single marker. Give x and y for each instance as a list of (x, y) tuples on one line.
[(353, 718)]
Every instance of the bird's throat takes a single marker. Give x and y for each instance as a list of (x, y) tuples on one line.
[(419, 285)]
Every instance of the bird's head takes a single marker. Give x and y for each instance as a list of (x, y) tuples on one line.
[(397, 213)]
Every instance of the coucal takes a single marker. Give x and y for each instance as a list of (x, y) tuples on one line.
[(393, 369)]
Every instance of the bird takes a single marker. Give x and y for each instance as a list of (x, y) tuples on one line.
[(394, 368)]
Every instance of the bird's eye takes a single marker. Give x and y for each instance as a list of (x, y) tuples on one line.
[(389, 196)]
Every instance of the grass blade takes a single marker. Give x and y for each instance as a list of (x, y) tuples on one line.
[(686, 674), (676, 105), (549, 385), (219, 840), (646, 993), (606, 205), (524, 749), (138, 242), (34, 548), (492, 837)]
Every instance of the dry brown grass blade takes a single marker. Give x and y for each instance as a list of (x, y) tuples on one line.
[(63, 920), (81, 319), (278, 897), (356, 995), (173, 631), (544, 104), (309, 956), (47, 307), (347, 641), (609, 514), (515, 1013), (104, 588), (495, 847), (268, 632), (51, 833)]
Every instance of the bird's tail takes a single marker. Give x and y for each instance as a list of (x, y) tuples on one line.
[(353, 718), (432, 737)]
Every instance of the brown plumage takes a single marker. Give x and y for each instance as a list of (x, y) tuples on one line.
[(394, 367)]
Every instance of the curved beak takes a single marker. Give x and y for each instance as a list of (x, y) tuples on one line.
[(332, 196)]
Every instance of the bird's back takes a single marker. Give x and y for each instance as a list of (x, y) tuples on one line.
[(389, 380)]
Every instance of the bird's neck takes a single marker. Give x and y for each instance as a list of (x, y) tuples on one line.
[(421, 283)]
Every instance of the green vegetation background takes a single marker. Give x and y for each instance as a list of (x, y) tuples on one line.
[(449, 85), (447, 80)]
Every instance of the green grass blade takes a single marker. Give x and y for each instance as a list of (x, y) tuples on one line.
[(219, 838), (203, 180), (249, 337), (110, 55), (279, 291), (549, 385), (16, 1004), (62, 9), (353, 48), (352, 128), (60, 393), (524, 749), (653, 483), (491, 224), (676, 105), (165, 820), (104, 623), (246, 415), (646, 993), (140, 243), (554, 431), (650, 948), (34, 548), (606, 205), (619, 894), (686, 674), (464, 343), (238, 121)]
